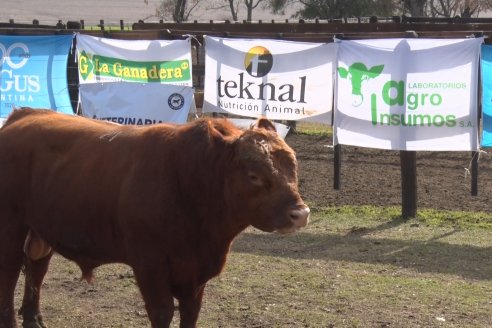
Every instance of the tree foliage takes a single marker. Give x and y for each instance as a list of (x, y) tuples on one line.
[(446, 8), (250, 6), (180, 10), (176, 10), (330, 9)]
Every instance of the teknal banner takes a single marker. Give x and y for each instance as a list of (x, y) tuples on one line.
[(34, 72), (408, 94), (136, 82), (280, 80), (486, 96)]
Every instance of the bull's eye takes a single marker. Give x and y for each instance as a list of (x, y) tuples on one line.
[(255, 179)]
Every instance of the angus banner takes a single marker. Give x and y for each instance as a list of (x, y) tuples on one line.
[(156, 67), (34, 72), (280, 80), (408, 94), (486, 64)]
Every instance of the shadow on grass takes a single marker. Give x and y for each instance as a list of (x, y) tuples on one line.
[(432, 255)]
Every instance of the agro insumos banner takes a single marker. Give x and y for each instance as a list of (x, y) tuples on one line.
[(486, 65), (280, 80), (34, 72), (155, 66), (408, 94)]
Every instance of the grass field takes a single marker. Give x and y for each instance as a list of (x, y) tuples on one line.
[(359, 267), (351, 267)]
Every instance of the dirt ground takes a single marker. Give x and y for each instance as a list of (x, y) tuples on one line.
[(372, 177)]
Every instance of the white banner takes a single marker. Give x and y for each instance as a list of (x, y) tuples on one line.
[(408, 94), (280, 80), (109, 60), (116, 102), (135, 80)]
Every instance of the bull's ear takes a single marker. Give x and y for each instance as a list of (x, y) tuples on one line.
[(266, 124)]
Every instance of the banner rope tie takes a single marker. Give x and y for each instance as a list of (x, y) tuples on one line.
[(468, 169)]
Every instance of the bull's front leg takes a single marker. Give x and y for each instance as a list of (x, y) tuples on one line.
[(189, 308), (35, 272), (159, 302), (11, 255)]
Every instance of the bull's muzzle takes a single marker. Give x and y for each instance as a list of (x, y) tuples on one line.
[(300, 216)]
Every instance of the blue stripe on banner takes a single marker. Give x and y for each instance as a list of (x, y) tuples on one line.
[(34, 72), (486, 64)]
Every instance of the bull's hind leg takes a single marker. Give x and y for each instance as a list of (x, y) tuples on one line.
[(159, 302), (35, 270), (11, 254), (189, 307)]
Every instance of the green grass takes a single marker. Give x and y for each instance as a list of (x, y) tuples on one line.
[(360, 267), (460, 219), (314, 129), (429, 217)]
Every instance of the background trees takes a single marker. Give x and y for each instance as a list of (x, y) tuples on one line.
[(327, 9), (180, 10)]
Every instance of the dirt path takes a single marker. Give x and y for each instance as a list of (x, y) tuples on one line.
[(372, 177)]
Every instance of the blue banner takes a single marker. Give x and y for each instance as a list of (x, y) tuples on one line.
[(33, 72), (486, 96)]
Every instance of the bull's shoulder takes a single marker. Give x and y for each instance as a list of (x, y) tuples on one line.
[(218, 127), (225, 127), (26, 112)]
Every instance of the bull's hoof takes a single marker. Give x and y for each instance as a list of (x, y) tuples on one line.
[(33, 324)]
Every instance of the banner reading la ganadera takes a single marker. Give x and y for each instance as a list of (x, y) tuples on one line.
[(34, 72), (110, 60), (159, 69), (281, 80), (408, 94)]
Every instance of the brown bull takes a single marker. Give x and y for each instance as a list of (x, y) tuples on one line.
[(166, 200)]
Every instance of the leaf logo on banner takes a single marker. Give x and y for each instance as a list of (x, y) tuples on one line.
[(85, 65), (357, 73), (258, 61)]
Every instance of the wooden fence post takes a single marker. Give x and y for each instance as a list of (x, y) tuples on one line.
[(408, 166), (474, 173), (337, 163)]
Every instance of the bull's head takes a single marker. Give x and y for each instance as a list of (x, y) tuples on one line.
[(262, 185), (356, 73)]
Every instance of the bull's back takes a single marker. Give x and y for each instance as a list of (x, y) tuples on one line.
[(64, 176), (43, 153)]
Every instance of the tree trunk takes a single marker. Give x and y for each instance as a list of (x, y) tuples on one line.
[(416, 8)]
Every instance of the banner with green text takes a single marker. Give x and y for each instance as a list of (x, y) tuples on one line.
[(135, 82), (112, 60), (408, 94)]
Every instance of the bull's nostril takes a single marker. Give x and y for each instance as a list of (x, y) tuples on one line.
[(300, 214)]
